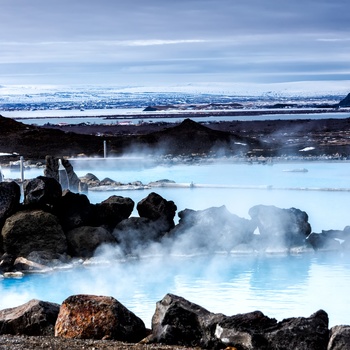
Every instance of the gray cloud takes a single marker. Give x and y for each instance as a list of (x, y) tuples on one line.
[(205, 40)]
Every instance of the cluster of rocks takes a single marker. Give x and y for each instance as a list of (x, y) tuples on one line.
[(51, 226), (176, 321)]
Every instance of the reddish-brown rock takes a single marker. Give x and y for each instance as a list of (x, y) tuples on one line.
[(98, 317)]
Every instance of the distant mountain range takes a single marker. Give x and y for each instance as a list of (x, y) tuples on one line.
[(90, 98)]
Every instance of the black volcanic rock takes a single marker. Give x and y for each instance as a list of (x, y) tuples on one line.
[(345, 102), (33, 318)]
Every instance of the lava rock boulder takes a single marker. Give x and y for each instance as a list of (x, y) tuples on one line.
[(98, 317)]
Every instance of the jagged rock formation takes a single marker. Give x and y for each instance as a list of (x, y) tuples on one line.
[(177, 321), (33, 318)]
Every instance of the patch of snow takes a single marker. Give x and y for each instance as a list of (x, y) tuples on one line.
[(307, 149)]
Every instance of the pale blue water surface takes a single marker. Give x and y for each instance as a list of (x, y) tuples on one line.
[(279, 286), (100, 117)]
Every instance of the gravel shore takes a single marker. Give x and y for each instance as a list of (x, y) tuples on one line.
[(15, 342)]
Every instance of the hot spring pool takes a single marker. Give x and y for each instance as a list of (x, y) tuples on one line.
[(279, 286)]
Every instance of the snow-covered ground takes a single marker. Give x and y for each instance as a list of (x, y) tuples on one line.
[(57, 93)]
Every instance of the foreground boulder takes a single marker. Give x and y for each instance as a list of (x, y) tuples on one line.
[(98, 317), (33, 230), (280, 228), (302, 333), (179, 322), (33, 318), (339, 338), (245, 331)]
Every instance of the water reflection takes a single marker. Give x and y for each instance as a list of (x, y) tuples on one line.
[(279, 286)]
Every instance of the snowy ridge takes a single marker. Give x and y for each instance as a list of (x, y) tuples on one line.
[(53, 97)]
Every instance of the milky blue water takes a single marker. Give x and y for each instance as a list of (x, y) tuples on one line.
[(323, 191), (279, 286)]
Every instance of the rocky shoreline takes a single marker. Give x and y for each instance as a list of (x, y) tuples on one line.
[(100, 322)]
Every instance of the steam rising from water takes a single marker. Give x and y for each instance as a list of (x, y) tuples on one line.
[(280, 286)]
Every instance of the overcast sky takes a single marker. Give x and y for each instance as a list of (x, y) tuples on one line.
[(158, 42)]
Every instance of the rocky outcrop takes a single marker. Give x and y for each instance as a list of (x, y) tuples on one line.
[(72, 178), (135, 234), (33, 318), (280, 228), (48, 259), (304, 333), (62, 171), (6, 262), (245, 331), (156, 220), (112, 211), (83, 241), (212, 229), (33, 230), (339, 338), (179, 322), (154, 207), (10, 194), (98, 317), (73, 210), (330, 239), (48, 217), (23, 264), (41, 192)]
